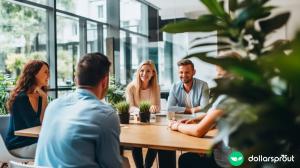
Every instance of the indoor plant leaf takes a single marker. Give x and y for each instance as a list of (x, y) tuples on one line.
[(274, 23)]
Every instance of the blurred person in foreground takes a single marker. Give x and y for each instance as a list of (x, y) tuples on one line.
[(199, 126)]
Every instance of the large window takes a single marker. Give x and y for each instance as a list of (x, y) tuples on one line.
[(139, 50), (44, 2), (95, 9), (23, 36), (33, 29), (67, 49), (134, 16), (123, 59), (133, 50), (92, 37)]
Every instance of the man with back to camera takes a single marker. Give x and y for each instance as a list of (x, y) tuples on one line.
[(78, 129), (190, 94)]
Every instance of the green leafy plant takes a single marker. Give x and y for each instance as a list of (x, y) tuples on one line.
[(122, 107), (265, 117), (145, 107), (145, 111), (5, 82), (123, 110), (115, 91)]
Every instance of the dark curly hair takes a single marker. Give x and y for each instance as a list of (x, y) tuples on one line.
[(26, 80)]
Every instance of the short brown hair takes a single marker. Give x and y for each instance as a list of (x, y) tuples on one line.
[(185, 62), (92, 68)]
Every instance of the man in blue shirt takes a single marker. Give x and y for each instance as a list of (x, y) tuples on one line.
[(78, 129), (190, 94)]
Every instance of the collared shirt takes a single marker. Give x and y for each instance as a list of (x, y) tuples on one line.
[(188, 102), (79, 131), (199, 96)]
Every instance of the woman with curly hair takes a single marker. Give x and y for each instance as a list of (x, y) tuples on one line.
[(27, 103)]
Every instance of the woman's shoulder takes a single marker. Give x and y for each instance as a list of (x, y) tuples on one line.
[(21, 96), (130, 86)]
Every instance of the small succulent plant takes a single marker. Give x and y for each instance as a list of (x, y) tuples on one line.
[(145, 107), (122, 107)]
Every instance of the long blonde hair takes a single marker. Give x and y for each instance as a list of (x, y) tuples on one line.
[(154, 86)]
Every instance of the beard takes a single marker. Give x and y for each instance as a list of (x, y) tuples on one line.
[(186, 80)]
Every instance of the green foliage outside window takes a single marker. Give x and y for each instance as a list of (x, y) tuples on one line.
[(5, 83)]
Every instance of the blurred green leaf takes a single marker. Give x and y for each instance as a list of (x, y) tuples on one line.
[(245, 68), (205, 23), (220, 44), (233, 5), (274, 23), (253, 12), (215, 8), (247, 3)]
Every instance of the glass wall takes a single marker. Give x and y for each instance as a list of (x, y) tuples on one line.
[(94, 9), (23, 36), (29, 29), (123, 59), (44, 2), (134, 16), (139, 51), (67, 49), (92, 37)]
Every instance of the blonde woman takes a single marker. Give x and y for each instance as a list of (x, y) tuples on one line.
[(144, 88)]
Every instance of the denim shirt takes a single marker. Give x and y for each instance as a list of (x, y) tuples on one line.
[(199, 96)]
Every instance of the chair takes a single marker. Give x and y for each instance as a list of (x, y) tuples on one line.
[(13, 164), (4, 121), (5, 156)]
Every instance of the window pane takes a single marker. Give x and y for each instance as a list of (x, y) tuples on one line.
[(22, 36), (95, 9), (67, 49), (92, 37), (134, 16), (139, 51), (44, 2), (104, 38), (133, 50), (122, 58)]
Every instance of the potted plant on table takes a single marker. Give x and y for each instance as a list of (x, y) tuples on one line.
[(265, 117), (123, 111), (145, 111)]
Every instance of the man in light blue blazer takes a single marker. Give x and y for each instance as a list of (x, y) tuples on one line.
[(190, 95)]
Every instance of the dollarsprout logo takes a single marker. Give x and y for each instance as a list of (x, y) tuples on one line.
[(236, 158)]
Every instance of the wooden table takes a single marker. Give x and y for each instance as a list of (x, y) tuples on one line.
[(151, 136), (29, 132), (161, 137)]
